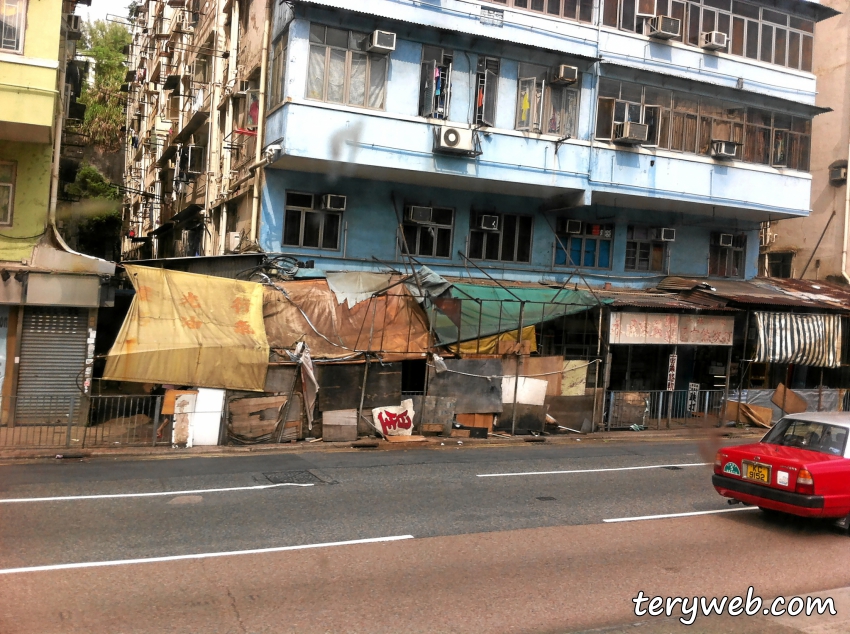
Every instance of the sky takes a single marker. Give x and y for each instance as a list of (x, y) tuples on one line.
[(99, 9)]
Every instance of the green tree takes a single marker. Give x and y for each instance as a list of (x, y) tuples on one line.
[(99, 230), (105, 41)]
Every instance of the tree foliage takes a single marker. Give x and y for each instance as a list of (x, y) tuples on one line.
[(105, 41), (91, 184), (98, 234)]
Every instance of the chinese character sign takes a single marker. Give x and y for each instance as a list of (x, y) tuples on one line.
[(395, 420), (671, 372), (693, 397)]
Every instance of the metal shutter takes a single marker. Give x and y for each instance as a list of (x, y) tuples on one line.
[(53, 355)]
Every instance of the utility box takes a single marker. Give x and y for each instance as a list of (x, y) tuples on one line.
[(339, 425)]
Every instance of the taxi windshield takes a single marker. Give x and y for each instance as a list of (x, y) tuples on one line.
[(789, 432)]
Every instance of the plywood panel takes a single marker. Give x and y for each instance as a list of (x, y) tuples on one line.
[(474, 394), (340, 386)]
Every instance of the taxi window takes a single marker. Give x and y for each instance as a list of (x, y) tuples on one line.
[(788, 432)]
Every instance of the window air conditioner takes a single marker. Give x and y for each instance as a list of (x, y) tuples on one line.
[(233, 239), (631, 133), (453, 140), (663, 27), (724, 149), (712, 40), (726, 239), (565, 74), (74, 27), (568, 225), (668, 235), (488, 223), (333, 202), (419, 214), (381, 42), (837, 174)]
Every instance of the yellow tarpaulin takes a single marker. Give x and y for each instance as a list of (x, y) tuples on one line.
[(491, 344), (187, 329)]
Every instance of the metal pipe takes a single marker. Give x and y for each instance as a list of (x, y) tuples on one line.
[(815, 250), (846, 221), (261, 123), (57, 134), (518, 365)]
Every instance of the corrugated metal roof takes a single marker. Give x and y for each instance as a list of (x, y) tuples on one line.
[(764, 292), (821, 292)]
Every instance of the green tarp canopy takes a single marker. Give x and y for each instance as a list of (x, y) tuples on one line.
[(473, 311)]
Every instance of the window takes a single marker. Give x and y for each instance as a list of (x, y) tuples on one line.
[(804, 434), (779, 264), (339, 71), (305, 226), (430, 237), (581, 10), (278, 71), (545, 107), (726, 255), (686, 124), (590, 247), (7, 192), (486, 91), (644, 251), (13, 15), (756, 32), (435, 83), (510, 241)]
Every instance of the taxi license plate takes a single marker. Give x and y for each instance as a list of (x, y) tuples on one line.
[(756, 471)]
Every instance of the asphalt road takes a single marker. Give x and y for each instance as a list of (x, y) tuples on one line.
[(515, 539)]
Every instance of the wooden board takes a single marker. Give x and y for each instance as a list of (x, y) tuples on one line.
[(432, 428), (528, 417), (570, 411), (259, 415), (538, 366), (340, 386), (403, 439), (460, 433), (753, 414), (434, 410), (279, 378), (789, 401), (484, 421), (474, 394)]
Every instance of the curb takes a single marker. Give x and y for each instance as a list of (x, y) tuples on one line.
[(372, 444)]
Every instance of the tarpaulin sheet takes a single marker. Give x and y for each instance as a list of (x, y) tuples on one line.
[(354, 287), (472, 311), (490, 345), (391, 325), (799, 339), (188, 329)]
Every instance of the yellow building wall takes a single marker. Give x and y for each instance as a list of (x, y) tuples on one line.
[(32, 198), (27, 89)]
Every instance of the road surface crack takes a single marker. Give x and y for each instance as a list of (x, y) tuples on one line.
[(242, 627)]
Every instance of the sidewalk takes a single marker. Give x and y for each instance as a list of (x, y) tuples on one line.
[(374, 444)]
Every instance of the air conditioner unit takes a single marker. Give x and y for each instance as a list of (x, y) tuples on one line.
[(837, 174), (419, 214), (488, 223), (333, 202), (74, 27), (233, 240), (568, 225), (631, 133), (663, 27), (381, 42), (726, 239), (565, 74), (712, 40), (724, 149), (667, 235), (453, 140)]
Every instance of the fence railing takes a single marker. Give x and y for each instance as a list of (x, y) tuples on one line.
[(84, 421), (654, 409)]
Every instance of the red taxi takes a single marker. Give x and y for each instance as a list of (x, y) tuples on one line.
[(801, 467)]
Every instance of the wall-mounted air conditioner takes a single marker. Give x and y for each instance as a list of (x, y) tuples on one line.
[(381, 42), (488, 223), (667, 235), (453, 140), (726, 239), (419, 214), (724, 149), (333, 202), (564, 74), (568, 225), (631, 133), (838, 172), (233, 240), (712, 40), (663, 27)]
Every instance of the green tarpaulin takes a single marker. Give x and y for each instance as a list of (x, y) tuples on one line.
[(473, 311)]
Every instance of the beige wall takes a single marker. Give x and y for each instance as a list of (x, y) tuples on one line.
[(830, 136)]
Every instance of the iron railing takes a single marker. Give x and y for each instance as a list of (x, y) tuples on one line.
[(659, 408)]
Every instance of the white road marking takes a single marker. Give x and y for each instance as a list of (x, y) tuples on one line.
[(669, 515), (148, 495), (151, 560), (532, 473)]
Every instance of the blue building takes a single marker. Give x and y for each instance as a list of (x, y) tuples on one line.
[(537, 137)]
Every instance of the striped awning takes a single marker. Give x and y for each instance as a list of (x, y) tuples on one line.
[(800, 339)]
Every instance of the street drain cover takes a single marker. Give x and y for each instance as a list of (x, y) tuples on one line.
[(672, 468), (292, 477), (546, 498)]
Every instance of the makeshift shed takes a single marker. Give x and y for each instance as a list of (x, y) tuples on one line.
[(188, 329), (389, 324)]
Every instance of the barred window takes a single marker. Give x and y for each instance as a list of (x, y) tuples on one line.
[(7, 191), (13, 23), (305, 225)]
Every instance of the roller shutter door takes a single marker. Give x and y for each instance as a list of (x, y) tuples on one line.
[(53, 355)]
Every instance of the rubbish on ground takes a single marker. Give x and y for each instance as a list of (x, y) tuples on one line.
[(637, 427)]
